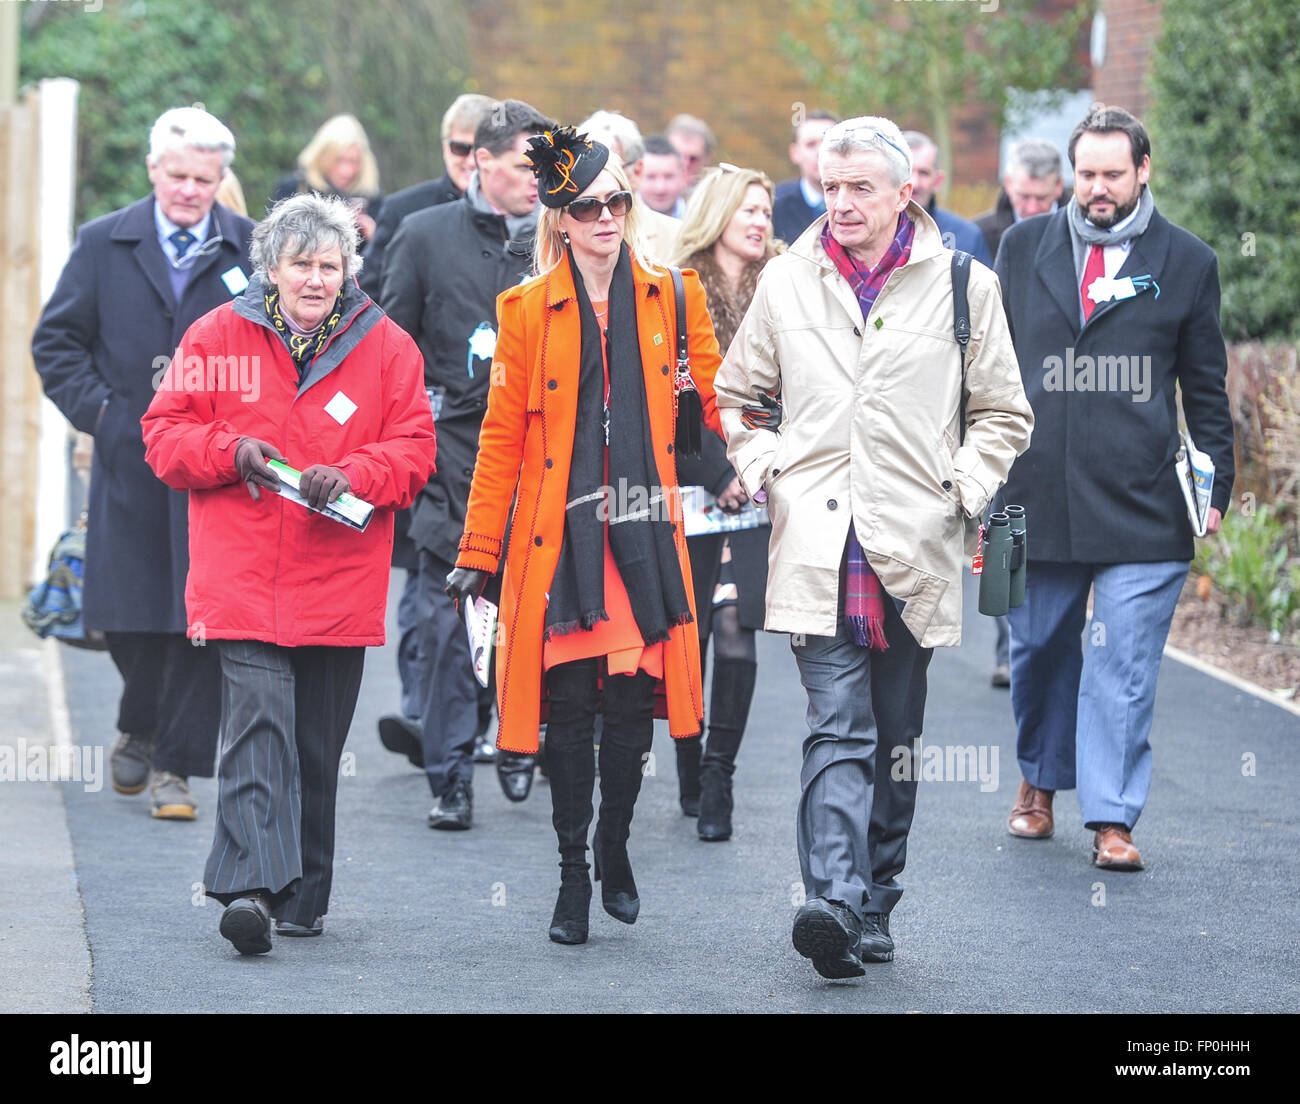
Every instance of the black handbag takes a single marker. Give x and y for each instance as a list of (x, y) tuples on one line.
[(690, 411)]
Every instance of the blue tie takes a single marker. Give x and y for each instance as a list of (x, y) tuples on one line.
[(182, 240)]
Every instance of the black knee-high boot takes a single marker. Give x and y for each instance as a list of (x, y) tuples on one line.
[(733, 689), (629, 726), (688, 773), (572, 775), (572, 770)]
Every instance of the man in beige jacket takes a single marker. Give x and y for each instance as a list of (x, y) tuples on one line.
[(872, 489)]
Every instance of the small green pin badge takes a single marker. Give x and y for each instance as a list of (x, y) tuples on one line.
[(659, 339), (879, 322)]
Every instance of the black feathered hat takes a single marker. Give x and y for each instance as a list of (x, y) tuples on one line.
[(565, 163)]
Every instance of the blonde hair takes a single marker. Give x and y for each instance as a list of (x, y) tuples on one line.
[(230, 194), (549, 249), (334, 136), (716, 199)]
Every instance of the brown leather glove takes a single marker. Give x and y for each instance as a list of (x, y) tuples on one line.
[(250, 463), (321, 485)]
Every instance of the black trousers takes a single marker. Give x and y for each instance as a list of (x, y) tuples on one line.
[(285, 717), (171, 688)]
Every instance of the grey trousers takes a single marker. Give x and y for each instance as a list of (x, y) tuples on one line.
[(449, 691), (408, 646), (285, 714), (854, 816)]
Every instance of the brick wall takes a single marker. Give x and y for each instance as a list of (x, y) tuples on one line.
[(1131, 30), (723, 62)]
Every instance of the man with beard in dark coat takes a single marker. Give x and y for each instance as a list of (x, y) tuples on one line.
[(1112, 309), (137, 278), (443, 273)]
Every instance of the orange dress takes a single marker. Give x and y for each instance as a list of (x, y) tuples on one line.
[(618, 639)]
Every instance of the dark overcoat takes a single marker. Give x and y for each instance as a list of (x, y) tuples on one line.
[(442, 275), (109, 325), (1098, 481)]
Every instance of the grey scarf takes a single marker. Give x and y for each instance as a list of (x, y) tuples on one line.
[(519, 227), (1083, 234)]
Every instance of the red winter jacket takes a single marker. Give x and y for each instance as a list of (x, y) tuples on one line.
[(271, 569)]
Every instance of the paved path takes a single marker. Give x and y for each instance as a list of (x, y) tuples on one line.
[(430, 921)]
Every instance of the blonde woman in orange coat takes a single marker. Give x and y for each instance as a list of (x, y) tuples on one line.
[(596, 603)]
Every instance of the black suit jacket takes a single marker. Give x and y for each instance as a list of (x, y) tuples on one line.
[(106, 334), (791, 215), (1098, 480), (396, 207)]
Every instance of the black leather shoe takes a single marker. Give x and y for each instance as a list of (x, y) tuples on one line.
[(286, 927), (828, 932), (402, 735), (454, 811), (247, 924), (484, 752), (515, 773), (877, 944)]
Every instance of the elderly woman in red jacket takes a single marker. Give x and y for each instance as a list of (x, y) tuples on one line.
[(303, 368), (596, 608)]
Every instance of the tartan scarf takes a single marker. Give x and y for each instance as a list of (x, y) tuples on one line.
[(867, 282), (864, 597), (302, 347)]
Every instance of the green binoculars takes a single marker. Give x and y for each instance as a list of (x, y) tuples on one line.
[(1006, 556)]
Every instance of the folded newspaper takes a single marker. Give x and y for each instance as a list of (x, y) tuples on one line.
[(347, 509), (481, 625), (1196, 477), (701, 514)]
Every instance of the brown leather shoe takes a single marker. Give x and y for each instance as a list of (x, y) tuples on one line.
[(1112, 849), (1031, 817)]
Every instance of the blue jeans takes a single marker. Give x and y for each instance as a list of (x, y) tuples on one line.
[(1083, 707)]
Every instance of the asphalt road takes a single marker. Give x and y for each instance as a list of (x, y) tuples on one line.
[(424, 921)]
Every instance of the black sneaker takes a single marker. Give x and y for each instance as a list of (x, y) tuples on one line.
[(247, 924), (454, 811), (129, 762), (877, 944), (828, 932)]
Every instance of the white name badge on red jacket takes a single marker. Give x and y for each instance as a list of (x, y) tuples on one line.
[(340, 407)]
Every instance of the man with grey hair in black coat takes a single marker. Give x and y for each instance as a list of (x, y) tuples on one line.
[(137, 278)]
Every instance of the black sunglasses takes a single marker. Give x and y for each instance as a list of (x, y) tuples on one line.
[(588, 210), (460, 149)]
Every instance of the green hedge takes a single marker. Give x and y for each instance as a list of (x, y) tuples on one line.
[(1225, 129), (273, 72)]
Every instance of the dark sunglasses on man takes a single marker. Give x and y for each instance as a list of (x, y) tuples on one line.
[(588, 209), (460, 149)]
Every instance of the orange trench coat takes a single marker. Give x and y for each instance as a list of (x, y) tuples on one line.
[(526, 444)]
